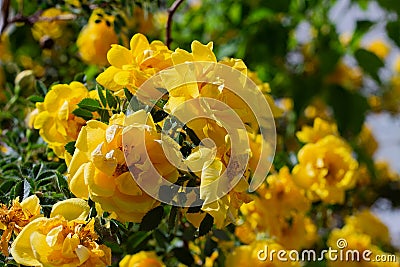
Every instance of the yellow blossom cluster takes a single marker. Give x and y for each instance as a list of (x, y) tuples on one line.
[(279, 211), (54, 119), (64, 239), (361, 232)]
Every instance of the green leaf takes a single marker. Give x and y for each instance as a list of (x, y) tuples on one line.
[(363, 4), (112, 102), (221, 234), (183, 255), (172, 217), (152, 219), (62, 185), (161, 239), (369, 62), (206, 225), (159, 115), (100, 90), (128, 94), (209, 246), (136, 240), (27, 189), (391, 5), (104, 115), (89, 104), (41, 87), (350, 109), (70, 147), (362, 27), (17, 191), (393, 31), (80, 77), (36, 98), (83, 113)]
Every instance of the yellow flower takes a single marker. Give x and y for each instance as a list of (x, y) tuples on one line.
[(130, 68), (356, 234), (96, 38), (320, 129), (55, 120), (224, 210), (366, 222), (379, 48), (49, 29), (98, 168), (367, 141), (141, 259), (58, 242), (385, 173), (245, 233), (278, 210), (15, 218), (346, 76), (326, 169), (258, 254)]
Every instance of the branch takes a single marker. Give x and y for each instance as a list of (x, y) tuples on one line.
[(5, 11), (168, 28), (30, 20)]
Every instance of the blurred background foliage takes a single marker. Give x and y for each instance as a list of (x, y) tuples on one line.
[(313, 71)]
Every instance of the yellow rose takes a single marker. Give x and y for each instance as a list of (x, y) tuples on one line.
[(385, 173), (367, 223), (367, 141), (351, 239), (131, 67), (320, 129), (98, 168), (258, 254), (96, 38), (55, 121), (16, 217), (279, 210), (141, 259), (326, 169), (59, 241)]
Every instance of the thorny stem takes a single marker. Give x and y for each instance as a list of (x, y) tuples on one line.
[(171, 11)]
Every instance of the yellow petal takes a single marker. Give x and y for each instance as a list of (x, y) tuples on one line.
[(123, 78), (71, 209), (41, 119), (106, 79), (83, 253), (181, 56), (76, 182), (203, 52), (21, 249), (70, 244), (31, 205), (138, 44), (119, 56), (98, 182), (127, 185)]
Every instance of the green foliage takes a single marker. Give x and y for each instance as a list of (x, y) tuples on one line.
[(262, 33)]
